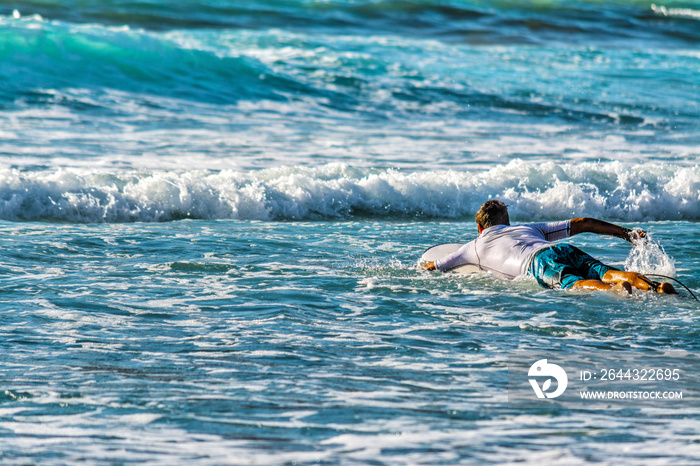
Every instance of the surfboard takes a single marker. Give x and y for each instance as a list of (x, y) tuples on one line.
[(441, 250)]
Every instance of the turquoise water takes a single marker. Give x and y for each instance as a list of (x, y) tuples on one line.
[(212, 213)]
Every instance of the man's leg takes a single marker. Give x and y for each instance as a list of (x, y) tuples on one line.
[(637, 280), (597, 285)]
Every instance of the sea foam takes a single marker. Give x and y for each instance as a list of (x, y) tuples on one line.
[(547, 191)]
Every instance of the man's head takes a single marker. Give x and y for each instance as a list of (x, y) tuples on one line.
[(492, 213)]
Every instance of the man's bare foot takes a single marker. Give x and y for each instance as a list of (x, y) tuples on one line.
[(666, 288), (623, 287)]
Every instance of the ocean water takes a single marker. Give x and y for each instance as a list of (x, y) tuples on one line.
[(212, 212)]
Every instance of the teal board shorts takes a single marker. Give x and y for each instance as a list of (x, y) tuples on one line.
[(562, 265)]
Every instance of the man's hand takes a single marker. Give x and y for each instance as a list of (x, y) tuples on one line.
[(429, 266), (635, 234)]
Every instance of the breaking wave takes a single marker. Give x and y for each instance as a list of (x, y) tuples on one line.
[(644, 192)]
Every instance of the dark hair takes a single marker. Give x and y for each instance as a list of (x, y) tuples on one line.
[(492, 213)]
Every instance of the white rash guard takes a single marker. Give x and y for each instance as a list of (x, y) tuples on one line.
[(506, 250)]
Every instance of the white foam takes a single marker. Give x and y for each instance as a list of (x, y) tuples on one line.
[(648, 256), (679, 12), (534, 192)]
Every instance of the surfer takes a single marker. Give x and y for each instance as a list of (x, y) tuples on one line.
[(512, 251)]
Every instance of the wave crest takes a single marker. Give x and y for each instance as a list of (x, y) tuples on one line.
[(644, 192)]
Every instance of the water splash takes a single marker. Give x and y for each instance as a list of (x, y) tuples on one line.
[(648, 256)]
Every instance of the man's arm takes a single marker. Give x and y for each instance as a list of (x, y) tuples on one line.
[(463, 255), (593, 225)]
